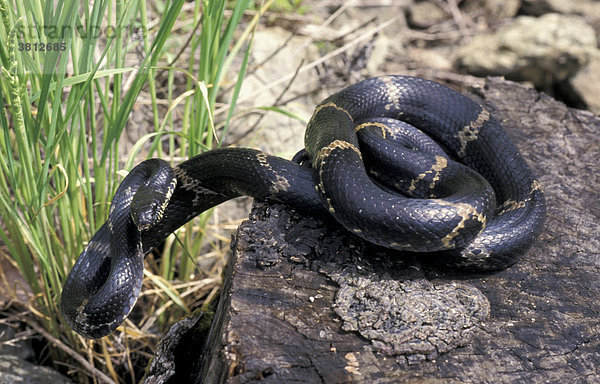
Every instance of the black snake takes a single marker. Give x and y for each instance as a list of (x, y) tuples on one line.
[(466, 196)]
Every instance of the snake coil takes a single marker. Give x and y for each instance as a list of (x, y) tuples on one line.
[(402, 162)]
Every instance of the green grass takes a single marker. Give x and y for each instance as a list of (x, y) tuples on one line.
[(63, 116)]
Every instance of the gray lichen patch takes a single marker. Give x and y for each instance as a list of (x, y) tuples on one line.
[(414, 317)]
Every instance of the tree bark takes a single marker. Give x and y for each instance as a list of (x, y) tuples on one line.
[(306, 302)]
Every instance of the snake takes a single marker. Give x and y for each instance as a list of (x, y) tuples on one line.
[(402, 162)]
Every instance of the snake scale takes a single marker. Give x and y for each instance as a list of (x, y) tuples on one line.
[(402, 162)]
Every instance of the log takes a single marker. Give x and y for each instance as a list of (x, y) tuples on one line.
[(306, 302)]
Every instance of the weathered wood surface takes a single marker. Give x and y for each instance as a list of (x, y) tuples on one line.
[(277, 323)]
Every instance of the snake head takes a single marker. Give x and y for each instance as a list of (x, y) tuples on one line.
[(148, 206), (146, 209), (153, 195)]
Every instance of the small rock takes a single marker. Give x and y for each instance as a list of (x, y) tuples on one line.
[(426, 14), (15, 370), (10, 344), (434, 58), (574, 7), (545, 50), (493, 9), (586, 84)]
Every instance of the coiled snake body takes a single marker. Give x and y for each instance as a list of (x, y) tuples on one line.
[(474, 203)]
